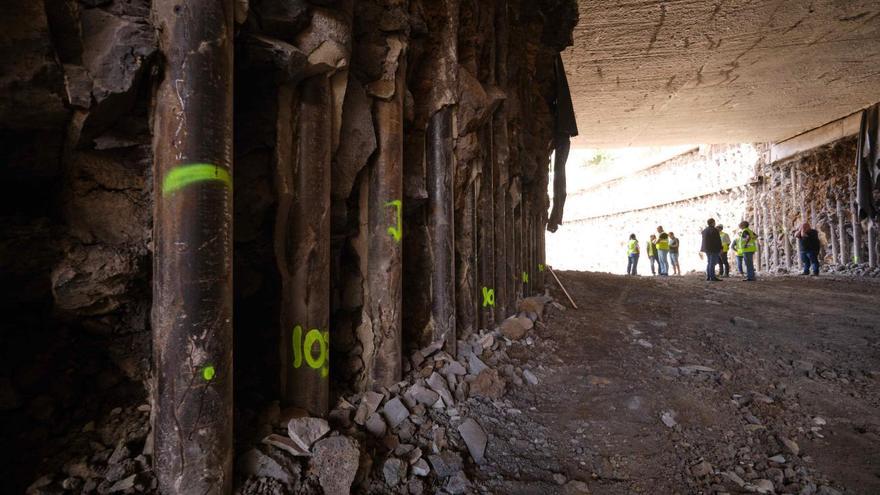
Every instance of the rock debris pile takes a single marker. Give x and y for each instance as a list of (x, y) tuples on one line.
[(421, 435)]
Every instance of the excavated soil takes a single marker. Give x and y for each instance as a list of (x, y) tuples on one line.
[(736, 371)]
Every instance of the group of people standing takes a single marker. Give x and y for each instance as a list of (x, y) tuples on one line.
[(716, 244), (662, 250)]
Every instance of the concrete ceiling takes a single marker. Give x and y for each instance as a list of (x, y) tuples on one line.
[(649, 72)]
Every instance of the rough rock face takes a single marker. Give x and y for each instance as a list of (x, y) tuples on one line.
[(76, 96)]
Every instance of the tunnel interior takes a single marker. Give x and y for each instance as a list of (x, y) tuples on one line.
[(320, 235)]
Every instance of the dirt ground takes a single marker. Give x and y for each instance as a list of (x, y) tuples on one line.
[(675, 386)]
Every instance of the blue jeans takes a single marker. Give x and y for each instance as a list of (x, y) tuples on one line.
[(632, 264), (711, 261), (750, 265), (653, 259), (739, 265), (664, 261), (810, 258)]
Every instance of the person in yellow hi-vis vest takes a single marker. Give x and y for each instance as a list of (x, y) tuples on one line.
[(663, 253), (652, 252), (749, 241), (632, 255), (723, 264), (738, 249)]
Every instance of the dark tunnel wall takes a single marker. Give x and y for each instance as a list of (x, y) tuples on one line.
[(390, 185)]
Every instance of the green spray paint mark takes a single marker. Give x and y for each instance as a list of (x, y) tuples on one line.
[(396, 232), (306, 349), (488, 297), (208, 373), (540, 267), (184, 175), (525, 277)]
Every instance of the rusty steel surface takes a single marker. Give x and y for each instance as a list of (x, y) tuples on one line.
[(306, 310), (192, 271), (441, 226), (486, 232), (384, 365)]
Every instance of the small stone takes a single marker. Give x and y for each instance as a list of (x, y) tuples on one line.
[(778, 459), (475, 364), (575, 487), (368, 405), (597, 380), (438, 384), (668, 419), (307, 431), (530, 377), (287, 445), (72, 484), (559, 479), (445, 464), (420, 468), (335, 461), (376, 425), (422, 395), (393, 471), (123, 485), (255, 463), (701, 469), (475, 439), (790, 445), (457, 484), (734, 478), (764, 486), (395, 412), (432, 348), (819, 421), (454, 368)]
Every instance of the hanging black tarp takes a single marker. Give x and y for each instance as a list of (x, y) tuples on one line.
[(565, 129), (868, 162)]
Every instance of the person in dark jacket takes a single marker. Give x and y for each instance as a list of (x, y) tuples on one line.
[(808, 241), (712, 247)]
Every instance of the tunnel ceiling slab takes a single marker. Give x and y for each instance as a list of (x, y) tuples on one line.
[(714, 71)]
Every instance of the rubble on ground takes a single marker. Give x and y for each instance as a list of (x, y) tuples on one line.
[(422, 435)]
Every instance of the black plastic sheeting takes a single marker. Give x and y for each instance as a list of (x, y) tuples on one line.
[(868, 162), (565, 129)]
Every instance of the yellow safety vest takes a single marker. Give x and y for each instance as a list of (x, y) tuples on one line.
[(663, 244), (652, 249), (632, 247), (738, 245), (752, 244), (725, 242)]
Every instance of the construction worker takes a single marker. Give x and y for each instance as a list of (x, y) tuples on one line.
[(632, 252), (712, 247), (663, 254), (808, 240), (738, 249), (723, 264), (652, 252), (673, 254), (749, 247)]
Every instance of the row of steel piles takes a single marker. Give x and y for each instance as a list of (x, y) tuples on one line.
[(444, 205)]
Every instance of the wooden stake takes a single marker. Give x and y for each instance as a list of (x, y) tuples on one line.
[(573, 305)]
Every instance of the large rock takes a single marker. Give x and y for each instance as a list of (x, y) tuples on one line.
[(93, 280), (117, 50), (335, 462), (475, 439), (307, 431), (256, 463), (488, 384), (515, 328)]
